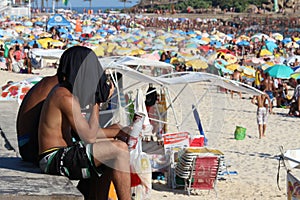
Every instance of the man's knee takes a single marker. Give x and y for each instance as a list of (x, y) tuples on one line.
[(121, 145)]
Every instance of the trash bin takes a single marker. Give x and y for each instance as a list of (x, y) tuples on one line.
[(240, 133)]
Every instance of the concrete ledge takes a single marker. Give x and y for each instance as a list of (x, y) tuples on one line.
[(22, 180)]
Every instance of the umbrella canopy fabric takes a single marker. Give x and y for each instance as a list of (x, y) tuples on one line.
[(279, 71), (295, 75), (197, 64), (16, 91)]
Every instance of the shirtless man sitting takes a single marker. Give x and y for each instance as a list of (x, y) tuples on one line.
[(82, 85), (263, 103)]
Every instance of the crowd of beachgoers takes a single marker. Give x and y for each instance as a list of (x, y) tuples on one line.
[(239, 47)]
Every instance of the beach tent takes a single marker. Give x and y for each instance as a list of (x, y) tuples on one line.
[(58, 20)]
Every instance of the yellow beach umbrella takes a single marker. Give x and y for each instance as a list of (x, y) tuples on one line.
[(249, 71), (232, 67), (20, 29), (122, 51), (197, 64), (57, 43), (137, 52), (292, 45), (277, 36), (296, 39), (230, 58), (206, 39), (244, 37), (44, 42), (265, 52), (99, 50), (45, 35)]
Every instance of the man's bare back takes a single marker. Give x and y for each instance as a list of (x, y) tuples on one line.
[(236, 76), (54, 129), (262, 101), (268, 82), (29, 115)]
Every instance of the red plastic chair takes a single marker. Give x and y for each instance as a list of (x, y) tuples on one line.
[(204, 174)]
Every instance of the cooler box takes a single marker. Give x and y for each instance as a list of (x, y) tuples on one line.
[(197, 141)]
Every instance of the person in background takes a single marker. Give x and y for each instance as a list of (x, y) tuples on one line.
[(236, 76), (263, 103)]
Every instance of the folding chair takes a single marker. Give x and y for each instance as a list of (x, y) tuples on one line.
[(204, 174)]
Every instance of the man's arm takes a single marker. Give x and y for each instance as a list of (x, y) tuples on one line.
[(115, 131), (87, 130)]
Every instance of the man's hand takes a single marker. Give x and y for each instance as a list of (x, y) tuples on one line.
[(124, 134)]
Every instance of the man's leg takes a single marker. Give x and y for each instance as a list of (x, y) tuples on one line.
[(264, 130), (115, 155), (96, 188), (260, 130)]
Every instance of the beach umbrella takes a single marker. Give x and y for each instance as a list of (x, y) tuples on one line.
[(292, 45), (248, 70), (31, 43), (243, 43), (20, 28), (265, 52), (152, 56), (28, 23), (286, 40), (296, 69), (279, 71), (17, 40), (137, 52), (230, 58), (42, 34), (295, 75), (292, 59), (259, 36), (232, 67), (197, 64), (99, 50), (271, 46), (243, 38), (277, 36), (122, 51), (16, 91)]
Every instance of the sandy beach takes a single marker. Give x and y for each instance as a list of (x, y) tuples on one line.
[(254, 159)]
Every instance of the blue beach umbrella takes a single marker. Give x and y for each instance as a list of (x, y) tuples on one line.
[(279, 71), (286, 40), (31, 43), (271, 46), (28, 23), (243, 43), (38, 23), (20, 41)]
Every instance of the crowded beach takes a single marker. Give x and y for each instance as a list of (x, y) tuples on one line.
[(236, 48), (241, 50)]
